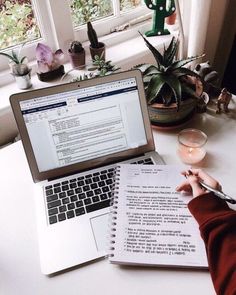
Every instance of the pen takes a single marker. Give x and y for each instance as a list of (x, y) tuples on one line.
[(216, 192)]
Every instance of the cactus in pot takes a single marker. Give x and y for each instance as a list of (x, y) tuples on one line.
[(77, 55), (96, 47)]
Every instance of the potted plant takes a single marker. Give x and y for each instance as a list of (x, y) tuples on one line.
[(19, 68), (96, 47), (172, 90), (49, 63), (77, 55)]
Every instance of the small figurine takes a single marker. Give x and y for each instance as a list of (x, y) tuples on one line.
[(223, 99)]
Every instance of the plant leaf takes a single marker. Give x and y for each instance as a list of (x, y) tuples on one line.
[(8, 56), (154, 87), (22, 60), (15, 57), (181, 63), (151, 70), (175, 86), (184, 71), (157, 55), (170, 52)]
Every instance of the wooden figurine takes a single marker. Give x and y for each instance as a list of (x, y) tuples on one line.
[(223, 99)]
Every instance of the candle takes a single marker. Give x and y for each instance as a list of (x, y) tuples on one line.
[(191, 147)]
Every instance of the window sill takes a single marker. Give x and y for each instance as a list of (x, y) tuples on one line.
[(124, 54)]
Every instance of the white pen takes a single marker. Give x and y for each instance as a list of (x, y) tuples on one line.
[(216, 192)]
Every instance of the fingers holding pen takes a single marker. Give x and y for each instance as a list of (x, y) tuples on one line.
[(191, 183)]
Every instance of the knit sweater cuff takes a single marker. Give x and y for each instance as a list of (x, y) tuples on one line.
[(206, 207)]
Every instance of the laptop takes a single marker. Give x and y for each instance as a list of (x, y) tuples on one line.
[(73, 136)]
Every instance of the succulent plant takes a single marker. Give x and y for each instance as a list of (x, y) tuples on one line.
[(76, 47), (104, 67), (17, 65), (92, 36), (168, 81)]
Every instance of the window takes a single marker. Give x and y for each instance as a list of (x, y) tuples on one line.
[(21, 23), (34, 21), (18, 23)]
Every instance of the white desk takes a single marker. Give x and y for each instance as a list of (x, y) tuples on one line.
[(19, 260)]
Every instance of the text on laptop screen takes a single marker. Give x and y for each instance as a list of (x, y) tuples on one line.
[(84, 124)]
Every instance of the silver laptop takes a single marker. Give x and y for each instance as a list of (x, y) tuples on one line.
[(73, 135)]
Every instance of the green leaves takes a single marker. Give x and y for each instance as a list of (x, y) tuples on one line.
[(154, 87), (158, 57), (167, 81), (181, 63), (169, 53), (157, 83)]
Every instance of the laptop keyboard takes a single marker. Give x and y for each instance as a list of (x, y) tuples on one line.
[(81, 195)]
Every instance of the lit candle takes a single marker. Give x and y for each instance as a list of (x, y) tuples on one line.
[(191, 148)]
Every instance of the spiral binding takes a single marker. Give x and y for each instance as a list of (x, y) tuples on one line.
[(113, 211)]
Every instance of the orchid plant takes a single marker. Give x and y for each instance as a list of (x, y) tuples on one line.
[(48, 60)]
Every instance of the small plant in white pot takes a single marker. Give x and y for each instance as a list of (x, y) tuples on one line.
[(19, 68)]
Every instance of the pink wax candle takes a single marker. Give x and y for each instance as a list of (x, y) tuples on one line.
[(191, 145)]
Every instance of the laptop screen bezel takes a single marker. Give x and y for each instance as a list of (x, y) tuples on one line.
[(37, 176)]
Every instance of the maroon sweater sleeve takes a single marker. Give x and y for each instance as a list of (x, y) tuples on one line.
[(217, 224)]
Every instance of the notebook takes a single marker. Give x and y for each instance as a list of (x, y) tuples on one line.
[(150, 223), (73, 135)]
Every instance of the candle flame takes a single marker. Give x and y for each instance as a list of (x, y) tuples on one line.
[(190, 150)]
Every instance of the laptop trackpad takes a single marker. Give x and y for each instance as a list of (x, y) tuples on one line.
[(99, 226)]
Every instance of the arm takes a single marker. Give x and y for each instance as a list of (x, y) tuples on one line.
[(217, 224)]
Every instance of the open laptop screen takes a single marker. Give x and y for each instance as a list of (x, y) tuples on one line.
[(83, 124)]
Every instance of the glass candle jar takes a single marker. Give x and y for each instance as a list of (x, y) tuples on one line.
[(191, 145)]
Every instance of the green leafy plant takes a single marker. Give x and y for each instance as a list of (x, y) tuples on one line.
[(103, 67), (100, 68), (169, 81)]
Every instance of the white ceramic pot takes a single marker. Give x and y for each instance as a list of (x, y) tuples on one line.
[(23, 82)]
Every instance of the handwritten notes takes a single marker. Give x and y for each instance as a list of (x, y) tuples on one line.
[(153, 225)]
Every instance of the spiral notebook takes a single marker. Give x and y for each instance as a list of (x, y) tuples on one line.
[(150, 223)]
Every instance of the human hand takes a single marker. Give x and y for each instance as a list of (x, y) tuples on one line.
[(193, 176)]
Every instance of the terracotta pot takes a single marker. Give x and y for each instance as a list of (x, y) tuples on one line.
[(77, 60), (98, 51), (170, 20), (164, 116)]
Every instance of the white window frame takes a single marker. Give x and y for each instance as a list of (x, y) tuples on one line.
[(55, 23)]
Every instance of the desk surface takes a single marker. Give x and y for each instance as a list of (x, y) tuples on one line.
[(19, 259)]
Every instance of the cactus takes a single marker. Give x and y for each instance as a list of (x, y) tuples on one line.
[(92, 35), (76, 47), (162, 9)]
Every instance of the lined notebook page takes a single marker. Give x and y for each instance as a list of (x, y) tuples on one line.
[(150, 221)]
